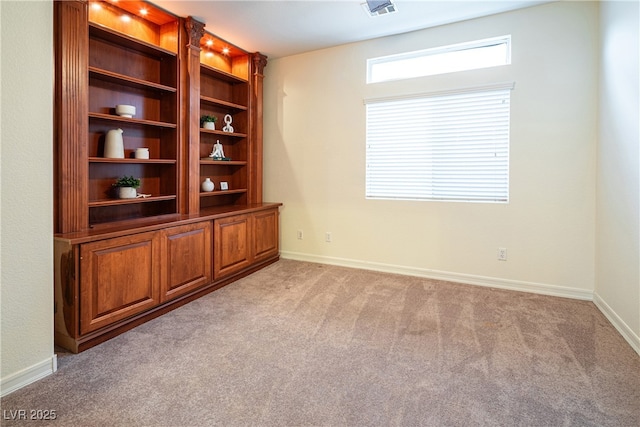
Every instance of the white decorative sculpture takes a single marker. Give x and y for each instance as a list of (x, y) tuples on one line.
[(228, 119), (217, 152)]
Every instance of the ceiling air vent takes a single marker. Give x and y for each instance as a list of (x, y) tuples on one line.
[(379, 7)]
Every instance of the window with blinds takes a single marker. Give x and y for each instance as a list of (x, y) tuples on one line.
[(446, 146)]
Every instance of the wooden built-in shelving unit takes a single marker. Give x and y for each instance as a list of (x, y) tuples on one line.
[(120, 262)]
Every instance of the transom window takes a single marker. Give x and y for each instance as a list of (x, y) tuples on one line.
[(445, 59)]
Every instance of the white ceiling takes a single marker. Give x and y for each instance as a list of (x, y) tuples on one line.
[(279, 28)]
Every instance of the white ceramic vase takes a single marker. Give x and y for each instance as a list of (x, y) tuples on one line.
[(113, 144), (207, 185), (209, 125)]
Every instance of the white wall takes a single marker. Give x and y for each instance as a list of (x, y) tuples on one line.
[(315, 147), (618, 172), (26, 210)]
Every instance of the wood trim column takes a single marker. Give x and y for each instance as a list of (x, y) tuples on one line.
[(195, 32), (258, 63), (71, 116)]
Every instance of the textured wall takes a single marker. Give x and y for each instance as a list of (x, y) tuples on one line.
[(315, 150), (26, 216)]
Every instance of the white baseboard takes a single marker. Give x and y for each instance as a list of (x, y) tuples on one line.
[(28, 375), (470, 279), (624, 329)]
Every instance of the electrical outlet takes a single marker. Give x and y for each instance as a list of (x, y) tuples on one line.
[(300, 235), (502, 254), (327, 237)]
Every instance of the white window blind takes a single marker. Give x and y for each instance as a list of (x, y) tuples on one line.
[(440, 147)]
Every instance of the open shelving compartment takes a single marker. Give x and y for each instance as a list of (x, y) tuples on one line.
[(133, 61), (225, 94)]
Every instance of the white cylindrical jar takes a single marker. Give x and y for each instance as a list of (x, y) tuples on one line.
[(142, 153)]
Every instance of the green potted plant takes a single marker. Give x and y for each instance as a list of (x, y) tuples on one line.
[(126, 186), (208, 122)]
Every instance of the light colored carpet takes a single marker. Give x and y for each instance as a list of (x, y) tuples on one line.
[(301, 344)]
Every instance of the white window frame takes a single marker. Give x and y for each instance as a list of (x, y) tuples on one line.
[(423, 63), (442, 146)]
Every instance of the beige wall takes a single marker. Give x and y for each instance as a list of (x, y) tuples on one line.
[(315, 148), (618, 173), (26, 213)]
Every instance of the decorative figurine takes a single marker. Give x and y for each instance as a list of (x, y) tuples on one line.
[(228, 119), (217, 153)]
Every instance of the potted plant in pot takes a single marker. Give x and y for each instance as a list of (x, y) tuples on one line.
[(126, 186), (208, 122)]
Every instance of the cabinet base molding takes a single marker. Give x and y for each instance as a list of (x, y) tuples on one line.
[(110, 281), (77, 345)]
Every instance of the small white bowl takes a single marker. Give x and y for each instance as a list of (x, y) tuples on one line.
[(125, 110)]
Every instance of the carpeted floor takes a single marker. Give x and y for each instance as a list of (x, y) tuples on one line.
[(302, 344)]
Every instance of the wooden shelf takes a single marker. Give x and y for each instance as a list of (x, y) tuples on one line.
[(122, 79), (219, 132), (221, 103), (216, 193), (117, 202), (105, 33), (207, 161), (222, 75), (132, 161), (112, 118)]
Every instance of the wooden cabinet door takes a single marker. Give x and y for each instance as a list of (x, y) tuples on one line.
[(265, 234), (119, 278), (186, 264), (232, 245)]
